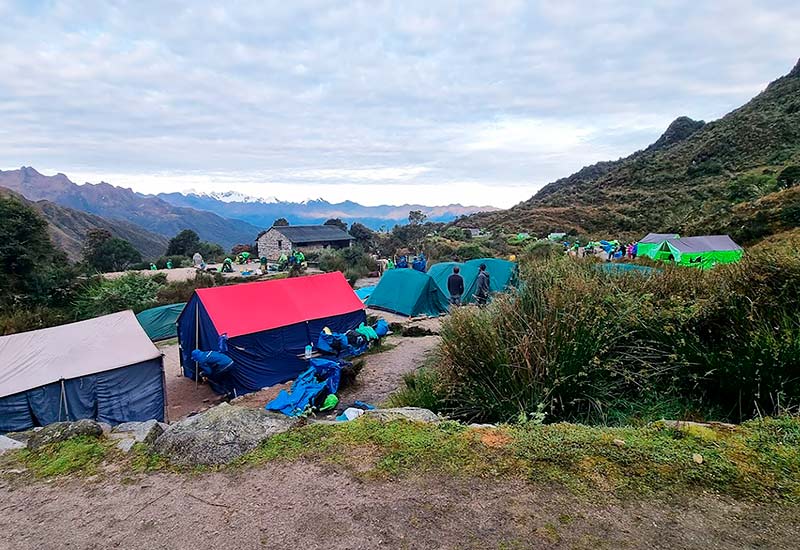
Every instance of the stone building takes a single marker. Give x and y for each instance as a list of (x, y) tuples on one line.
[(283, 239)]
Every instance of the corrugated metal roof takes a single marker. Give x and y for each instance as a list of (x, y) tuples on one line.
[(313, 233)]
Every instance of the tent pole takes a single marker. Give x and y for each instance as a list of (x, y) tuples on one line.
[(196, 343), (64, 396)]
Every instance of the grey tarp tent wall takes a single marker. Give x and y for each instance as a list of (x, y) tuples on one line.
[(104, 368)]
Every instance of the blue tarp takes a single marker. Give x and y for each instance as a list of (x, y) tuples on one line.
[(261, 359), (364, 293), (128, 394), (322, 375)]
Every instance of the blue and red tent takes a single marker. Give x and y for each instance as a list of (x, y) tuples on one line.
[(264, 327)]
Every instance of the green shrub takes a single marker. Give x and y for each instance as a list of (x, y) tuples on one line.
[(180, 291), (103, 296), (580, 344)]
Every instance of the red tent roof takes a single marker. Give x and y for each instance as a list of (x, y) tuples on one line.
[(279, 303)]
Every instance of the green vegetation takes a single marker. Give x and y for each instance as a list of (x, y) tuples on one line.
[(187, 242), (760, 459), (685, 182), (757, 460), (354, 262), (578, 344), (104, 253), (80, 455)]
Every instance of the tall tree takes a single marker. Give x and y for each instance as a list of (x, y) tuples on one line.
[(362, 234), (417, 217), (26, 253), (337, 222), (185, 243), (280, 222), (104, 252)]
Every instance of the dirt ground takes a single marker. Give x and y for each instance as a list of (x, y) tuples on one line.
[(383, 372), (183, 396), (304, 505)]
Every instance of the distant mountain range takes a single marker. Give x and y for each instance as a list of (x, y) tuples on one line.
[(727, 176), (117, 203), (226, 218), (262, 212), (68, 229)]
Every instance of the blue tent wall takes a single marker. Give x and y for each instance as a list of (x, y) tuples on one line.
[(127, 394), (261, 359)]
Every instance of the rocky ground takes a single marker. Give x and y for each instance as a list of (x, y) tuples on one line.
[(305, 505)]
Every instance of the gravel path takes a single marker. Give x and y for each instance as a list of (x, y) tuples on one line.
[(304, 505)]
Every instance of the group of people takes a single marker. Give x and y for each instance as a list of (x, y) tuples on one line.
[(455, 286), (294, 259), (419, 263), (609, 250)]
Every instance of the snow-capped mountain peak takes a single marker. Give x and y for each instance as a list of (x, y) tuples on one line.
[(235, 196)]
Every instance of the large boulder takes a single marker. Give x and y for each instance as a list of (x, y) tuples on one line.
[(8, 444), (61, 431), (415, 414), (219, 435)]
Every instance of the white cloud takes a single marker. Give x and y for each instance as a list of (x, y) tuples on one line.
[(389, 101)]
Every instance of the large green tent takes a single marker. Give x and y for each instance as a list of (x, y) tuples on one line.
[(704, 252), (502, 275), (161, 322), (650, 243), (408, 292)]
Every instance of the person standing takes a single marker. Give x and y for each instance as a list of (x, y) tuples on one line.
[(482, 293), (455, 285)]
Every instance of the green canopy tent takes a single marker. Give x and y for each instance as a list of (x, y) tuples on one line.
[(650, 243), (161, 323), (704, 252), (408, 292)]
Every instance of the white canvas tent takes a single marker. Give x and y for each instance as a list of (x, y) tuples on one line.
[(104, 368)]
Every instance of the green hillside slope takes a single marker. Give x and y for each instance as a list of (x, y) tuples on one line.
[(719, 175)]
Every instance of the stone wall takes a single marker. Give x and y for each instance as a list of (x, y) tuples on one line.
[(272, 243)]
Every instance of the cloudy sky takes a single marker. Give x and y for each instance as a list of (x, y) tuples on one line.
[(379, 102)]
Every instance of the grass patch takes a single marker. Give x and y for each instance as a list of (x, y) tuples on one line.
[(757, 460), (80, 455)]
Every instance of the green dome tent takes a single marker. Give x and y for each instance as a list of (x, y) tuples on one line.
[(408, 292), (650, 243), (704, 252), (502, 276), (442, 271), (161, 322)]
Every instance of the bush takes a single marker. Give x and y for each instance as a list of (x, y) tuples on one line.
[(789, 177), (580, 344), (180, 291), (353, 261), (103, 296)]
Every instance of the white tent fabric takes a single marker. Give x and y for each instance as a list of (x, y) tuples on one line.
[(657, 238), (32, 359)]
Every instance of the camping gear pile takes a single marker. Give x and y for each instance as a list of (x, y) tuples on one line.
[(315, 389), (353, 342), (104, 369)]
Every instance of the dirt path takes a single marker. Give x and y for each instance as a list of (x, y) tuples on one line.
[(383, 372), (303, 505)]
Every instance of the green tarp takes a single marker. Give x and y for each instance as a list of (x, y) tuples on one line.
[(408, 292), (160, 323), (502, 276)]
